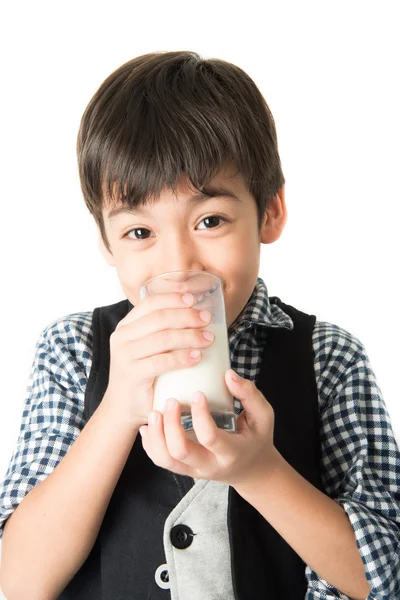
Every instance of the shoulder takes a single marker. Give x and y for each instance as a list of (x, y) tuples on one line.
[(332, 335), (67, 342), (339, 357), (331, 340), (70, 329), (337, 353)]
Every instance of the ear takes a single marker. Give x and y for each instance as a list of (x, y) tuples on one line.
[(274, 219), (108, 256)]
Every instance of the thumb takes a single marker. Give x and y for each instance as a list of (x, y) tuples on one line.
[(254, 403)]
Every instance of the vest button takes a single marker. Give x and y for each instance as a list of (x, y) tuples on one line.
[(181, 536), (162, 577)]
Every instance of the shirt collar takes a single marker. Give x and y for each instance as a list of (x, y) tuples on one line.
[(260, 312)]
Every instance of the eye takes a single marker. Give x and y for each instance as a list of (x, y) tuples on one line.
[(212, 219), (141, 232)]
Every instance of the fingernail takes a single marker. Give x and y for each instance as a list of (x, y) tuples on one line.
[(188, 299), (234, 376), (208, 335), (170, 404), (205, 315), (196, 397), (153, 417)]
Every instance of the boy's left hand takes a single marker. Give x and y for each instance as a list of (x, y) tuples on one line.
[(233, 458)]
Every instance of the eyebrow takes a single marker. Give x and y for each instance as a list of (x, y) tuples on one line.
[(206, 194)]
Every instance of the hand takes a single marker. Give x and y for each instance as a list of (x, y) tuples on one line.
[(156, 336), (233, 458)]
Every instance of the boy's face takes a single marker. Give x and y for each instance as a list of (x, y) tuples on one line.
[(219, 235)]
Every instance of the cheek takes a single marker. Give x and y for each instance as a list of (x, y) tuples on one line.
[(240, 269), (242, 258), (131, 278)]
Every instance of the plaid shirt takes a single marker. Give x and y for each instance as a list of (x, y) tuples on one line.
[(360, 466)]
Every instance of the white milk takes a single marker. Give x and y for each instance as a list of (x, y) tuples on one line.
[(207, 376)]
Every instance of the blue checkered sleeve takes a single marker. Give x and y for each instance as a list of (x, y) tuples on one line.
[(360, 460), (53, 411)]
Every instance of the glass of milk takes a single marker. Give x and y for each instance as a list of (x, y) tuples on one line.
[(207, 376)]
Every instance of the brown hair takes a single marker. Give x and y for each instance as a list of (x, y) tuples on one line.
[(165, 114)]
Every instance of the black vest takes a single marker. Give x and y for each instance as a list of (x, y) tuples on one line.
[(129, 546)]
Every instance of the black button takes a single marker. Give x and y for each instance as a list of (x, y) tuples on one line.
[(181, 536)]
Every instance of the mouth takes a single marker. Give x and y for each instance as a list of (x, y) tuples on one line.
[(199, 287), (200, 291)]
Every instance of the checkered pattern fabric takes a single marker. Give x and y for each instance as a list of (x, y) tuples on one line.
[(360, 458)]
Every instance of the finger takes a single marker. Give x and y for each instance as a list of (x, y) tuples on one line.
[(153, 442), (159, 325), (257, 408), (150, 304), (242, 426), (178, 445), (157, 449), (216, 440), (158, 364), (179, 467), (166, 341)]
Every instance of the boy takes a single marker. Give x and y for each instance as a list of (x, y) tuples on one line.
[(179, 166)]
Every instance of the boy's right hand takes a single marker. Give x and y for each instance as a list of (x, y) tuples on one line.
[(156, 336)]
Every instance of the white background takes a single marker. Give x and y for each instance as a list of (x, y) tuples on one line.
[(329, 72)]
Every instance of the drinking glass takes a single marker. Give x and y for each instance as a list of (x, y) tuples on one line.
[(207, 375)]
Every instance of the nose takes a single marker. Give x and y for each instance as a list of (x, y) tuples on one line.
[(182, 281), (179, 253)]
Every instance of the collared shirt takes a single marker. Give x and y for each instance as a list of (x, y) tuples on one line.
[(360, 465)]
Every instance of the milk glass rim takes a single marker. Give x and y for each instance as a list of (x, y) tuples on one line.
[(180, 271)]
